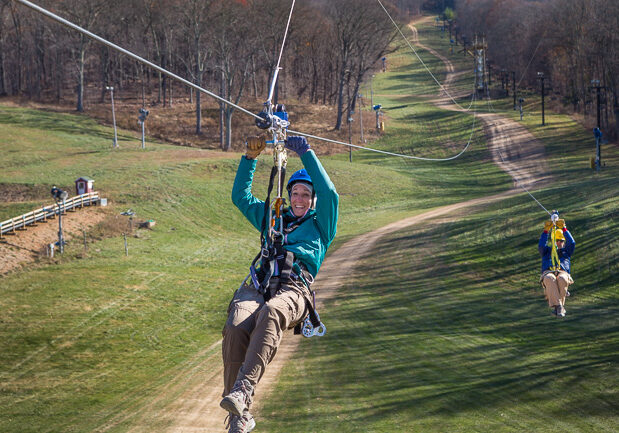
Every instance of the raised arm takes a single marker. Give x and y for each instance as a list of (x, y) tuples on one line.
[(243, 199), (327, 203), (541, 246), (570, 244)]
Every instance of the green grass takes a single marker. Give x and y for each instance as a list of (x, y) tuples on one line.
[(86, 337), (444, 327), (450, 332)]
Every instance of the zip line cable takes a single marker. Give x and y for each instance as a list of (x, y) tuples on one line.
[(531, 59), (491, 108), (201, 89), (281, 52), (417, 55), (473, 98), (521, 186)]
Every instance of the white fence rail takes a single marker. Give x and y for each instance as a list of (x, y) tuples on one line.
[(20, 222)]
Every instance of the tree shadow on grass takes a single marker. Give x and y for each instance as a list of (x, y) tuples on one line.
[(441, 321)]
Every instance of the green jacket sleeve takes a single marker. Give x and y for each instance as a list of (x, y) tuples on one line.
[(327, 202), (243, 199)]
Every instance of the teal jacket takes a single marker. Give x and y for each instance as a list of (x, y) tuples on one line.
[(309, 241)]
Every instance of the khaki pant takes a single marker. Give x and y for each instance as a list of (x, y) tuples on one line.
[(254, 329), (555, 285)]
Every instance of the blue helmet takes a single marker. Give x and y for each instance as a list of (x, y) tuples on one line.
[(299, 176)]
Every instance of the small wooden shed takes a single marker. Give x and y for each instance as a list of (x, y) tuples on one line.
[(84, 185)]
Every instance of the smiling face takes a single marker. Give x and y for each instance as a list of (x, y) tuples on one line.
[(300, 199)]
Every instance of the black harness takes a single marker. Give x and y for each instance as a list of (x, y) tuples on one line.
[(274, 259)]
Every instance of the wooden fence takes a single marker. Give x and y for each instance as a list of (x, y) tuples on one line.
[(46, 212)]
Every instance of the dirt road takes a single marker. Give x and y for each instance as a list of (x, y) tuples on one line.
[(191, 402), (512, 146)]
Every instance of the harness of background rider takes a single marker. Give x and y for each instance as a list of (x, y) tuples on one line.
[(274, 259), (554, 254)]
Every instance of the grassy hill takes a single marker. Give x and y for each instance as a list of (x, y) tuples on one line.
[(449, 332), (84, 337)]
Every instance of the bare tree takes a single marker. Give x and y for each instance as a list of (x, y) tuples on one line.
[(362, 36), (232, 58), (195, 20), (3, 7), (84, 13)]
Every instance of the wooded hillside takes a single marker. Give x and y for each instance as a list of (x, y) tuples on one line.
[(228, 47), (571, 41), (232, 47)]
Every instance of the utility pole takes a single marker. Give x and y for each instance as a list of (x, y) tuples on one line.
[(60, 196), (479, 50), (371, 91), (489, 72), (506, 83), (377, 108), (361, 117), (540, 75), (111, 89), (595, 84), (514, 87), (598, 148), (141, 121), (350, 119)]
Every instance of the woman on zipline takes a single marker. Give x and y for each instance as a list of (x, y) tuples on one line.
[(556, 276), (277, 296)]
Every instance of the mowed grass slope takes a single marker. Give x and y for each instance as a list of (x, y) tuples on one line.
[(444, 328), (87, 340)]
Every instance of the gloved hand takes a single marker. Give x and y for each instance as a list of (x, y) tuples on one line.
[(560, 223), (298, 144), (255, 146), (547, 226)]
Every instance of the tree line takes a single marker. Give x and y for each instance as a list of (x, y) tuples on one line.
[(230, 47), (572, 42)]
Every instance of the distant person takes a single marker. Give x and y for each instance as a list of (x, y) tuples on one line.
[(278, 295), (556, 276)]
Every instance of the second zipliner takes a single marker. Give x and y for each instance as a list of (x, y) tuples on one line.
[(556, 246)]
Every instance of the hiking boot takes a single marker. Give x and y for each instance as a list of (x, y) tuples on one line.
[(240, 424), (239, 399), (560, 311)]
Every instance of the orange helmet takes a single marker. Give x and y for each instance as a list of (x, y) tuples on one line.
[(559, 235)]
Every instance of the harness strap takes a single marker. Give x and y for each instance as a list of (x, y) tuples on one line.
[(267, 203), (554, 255)]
